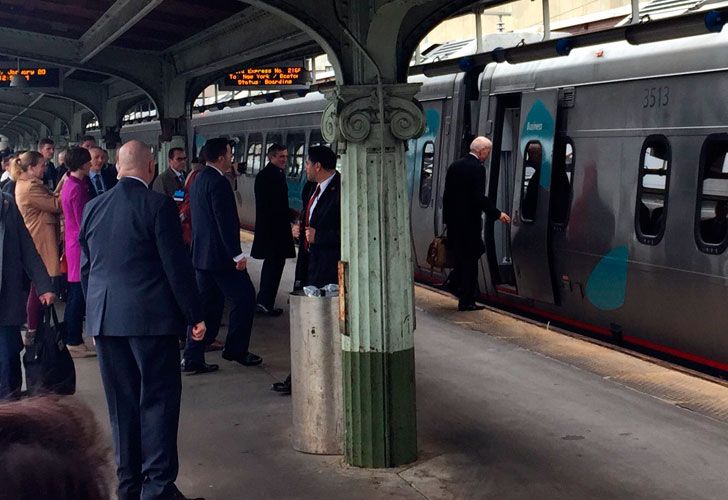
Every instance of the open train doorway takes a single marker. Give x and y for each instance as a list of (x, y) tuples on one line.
[(505, 117)]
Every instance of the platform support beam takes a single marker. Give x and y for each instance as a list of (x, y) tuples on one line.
[(378, 345)]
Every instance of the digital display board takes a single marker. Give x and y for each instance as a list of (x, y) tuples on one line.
[(267, 78), (37, 77)]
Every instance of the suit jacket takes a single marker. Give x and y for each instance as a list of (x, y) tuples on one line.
[(301, 276), (41, 212), (215, 223), (272, 224), (325, 251), (50, 177), (108, 175), (135, 271), (19, 265), (168, 182), (464, 201)]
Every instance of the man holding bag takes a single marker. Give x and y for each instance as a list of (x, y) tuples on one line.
[(19, 265)]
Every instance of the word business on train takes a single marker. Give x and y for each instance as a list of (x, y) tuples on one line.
[(267, 77), (36, 77)]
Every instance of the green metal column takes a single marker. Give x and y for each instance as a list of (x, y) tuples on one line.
[(378, 344)]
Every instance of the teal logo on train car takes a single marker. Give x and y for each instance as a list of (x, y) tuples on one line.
[(540, 126), (607, 284), (413, 155)]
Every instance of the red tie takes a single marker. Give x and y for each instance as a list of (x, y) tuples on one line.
[(308, 214)]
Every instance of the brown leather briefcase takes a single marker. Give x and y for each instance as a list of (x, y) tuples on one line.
[(437, 254)]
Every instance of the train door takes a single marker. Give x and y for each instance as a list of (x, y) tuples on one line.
[(423, 156), (531, 196), (504, 120)]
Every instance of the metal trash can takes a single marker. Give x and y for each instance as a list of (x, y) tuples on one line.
[(318, 417)]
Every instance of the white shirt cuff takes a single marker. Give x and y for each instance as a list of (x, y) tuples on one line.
[(238, 258)]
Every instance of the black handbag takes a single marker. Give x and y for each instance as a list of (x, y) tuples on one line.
[(48, 364)]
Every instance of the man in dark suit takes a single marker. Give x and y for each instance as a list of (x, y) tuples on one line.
[(220, 265), (101, 179), (464, 202), (322, 219), (19, 265), (320, 227), (172, 180), (47, 148), (140, 292), (273, 241)]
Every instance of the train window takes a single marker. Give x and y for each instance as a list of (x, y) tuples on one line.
[(562, 177), (426, 173), (255, 153), (531, 175), (271, 139), (296, 158), (652, 189), (711, 224)]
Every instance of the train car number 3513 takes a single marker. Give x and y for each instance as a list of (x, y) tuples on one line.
[(656, 97)]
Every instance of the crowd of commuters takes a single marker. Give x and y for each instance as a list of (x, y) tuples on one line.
[(141, 262)]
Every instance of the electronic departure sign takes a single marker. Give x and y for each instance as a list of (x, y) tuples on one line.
[(37, 78), (280, 77)]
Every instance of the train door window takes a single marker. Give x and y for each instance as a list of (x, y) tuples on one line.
[(296, 155), (711, 224), (255, 153), (240, 157), (316, 139), (562, 181), (652, 189), (531, 174), (271, 139), (426, 173)]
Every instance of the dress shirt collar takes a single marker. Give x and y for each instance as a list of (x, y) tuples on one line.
[(137, 178), (324, 184), (213, 166)]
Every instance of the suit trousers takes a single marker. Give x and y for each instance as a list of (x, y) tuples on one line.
[(270, 280), (73, 315), (11, 377), (464, 279), (141, 378), (214, 287)]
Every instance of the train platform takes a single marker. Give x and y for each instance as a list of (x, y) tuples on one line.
[(506, 409)]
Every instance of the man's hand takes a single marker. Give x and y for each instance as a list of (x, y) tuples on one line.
[(296, 230), (198, 331), (242, 264), (47, 298), (310, 235), (504, 218)]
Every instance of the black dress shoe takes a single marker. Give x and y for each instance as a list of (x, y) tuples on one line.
[(268, 311), (283, 387), (178, 495), (470, 307), (247, 359), (197, 368)]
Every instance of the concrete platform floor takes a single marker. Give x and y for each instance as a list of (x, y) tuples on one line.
[(506, 409)]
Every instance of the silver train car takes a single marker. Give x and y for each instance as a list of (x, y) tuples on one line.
[(612, 162)]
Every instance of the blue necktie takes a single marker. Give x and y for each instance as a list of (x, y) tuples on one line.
[(99, 184)]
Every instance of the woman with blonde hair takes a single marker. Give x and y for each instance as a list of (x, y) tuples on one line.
[(41, 211)]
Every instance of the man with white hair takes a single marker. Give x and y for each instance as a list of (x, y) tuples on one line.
[(464, 201), (140, 294)]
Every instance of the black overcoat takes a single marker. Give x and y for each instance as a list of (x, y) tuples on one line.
[(464, 201), (21, 264), (273, 237)]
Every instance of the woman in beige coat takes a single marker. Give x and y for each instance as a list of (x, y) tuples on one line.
[(41, 212)]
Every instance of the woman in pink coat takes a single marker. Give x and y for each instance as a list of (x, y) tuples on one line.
[(74, 197)]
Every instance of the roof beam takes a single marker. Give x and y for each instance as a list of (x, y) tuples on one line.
[(117, 20), (250, 34)]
